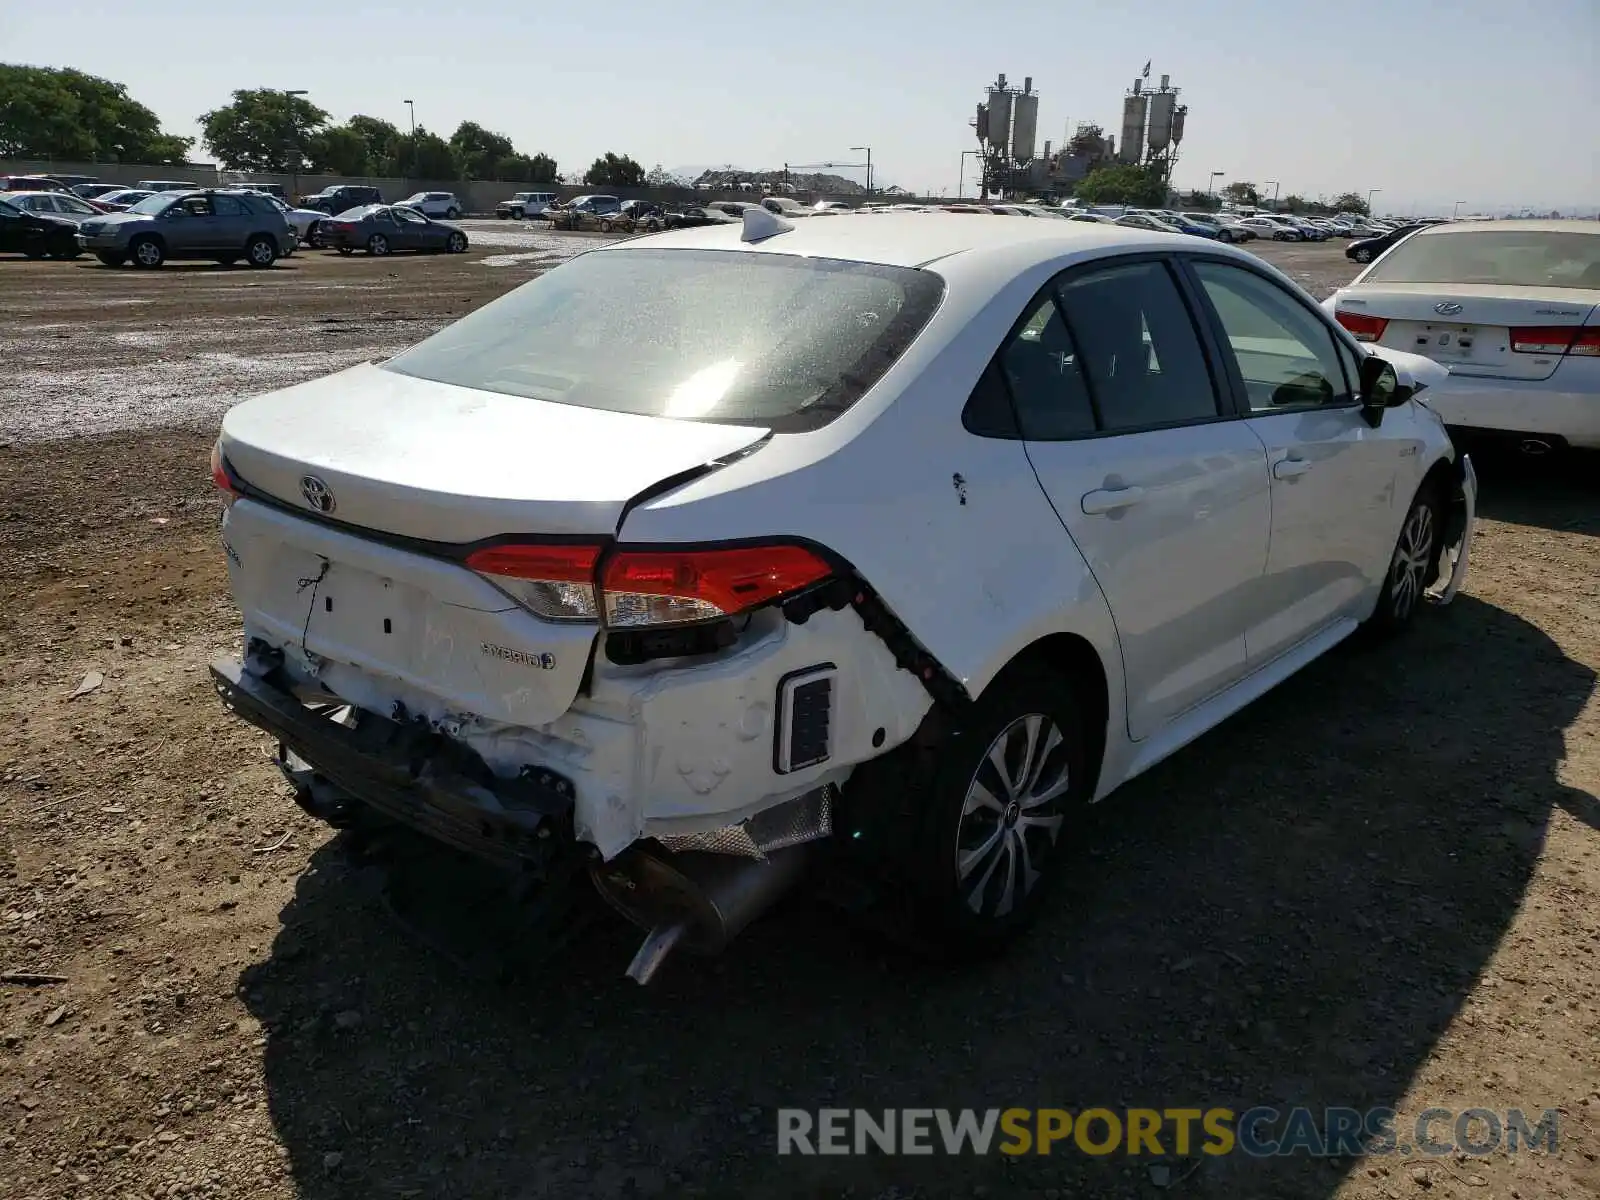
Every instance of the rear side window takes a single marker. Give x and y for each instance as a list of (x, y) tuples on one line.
[(1047, 387), (1140, 352), (708, 335), (229, 206)]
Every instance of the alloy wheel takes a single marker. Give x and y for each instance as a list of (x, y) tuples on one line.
[(1012, 815), (1412, 556)]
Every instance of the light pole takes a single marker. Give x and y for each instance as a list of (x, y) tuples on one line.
[(1212, 189), (868, 149), (1370, 194), (961, 179), (294, 145), (412, 105), (1456, 211), (1275, 185)]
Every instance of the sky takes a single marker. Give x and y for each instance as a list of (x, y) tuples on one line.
[(1492, 103)]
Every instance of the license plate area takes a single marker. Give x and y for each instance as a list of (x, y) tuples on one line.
[(356, 615), (1456, 343)]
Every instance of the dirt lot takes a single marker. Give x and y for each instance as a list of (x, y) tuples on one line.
[(1381, 888)]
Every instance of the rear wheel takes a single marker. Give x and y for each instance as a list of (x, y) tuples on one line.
[(66, 250), (452, 213), (147, 253), (377, 245), (1001, 793), (314, 238), (260, 251)]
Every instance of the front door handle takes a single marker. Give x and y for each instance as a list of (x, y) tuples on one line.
[(1107, 500), (1290, 468)]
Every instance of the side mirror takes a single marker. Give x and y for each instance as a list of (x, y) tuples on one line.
[(1380, 389)]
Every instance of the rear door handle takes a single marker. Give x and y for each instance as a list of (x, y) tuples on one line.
[(1107, 500), (1290, 468)]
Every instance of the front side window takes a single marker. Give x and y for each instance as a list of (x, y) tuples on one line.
[(1139, 349), (154, 205), (1286, 354), (742, 338)]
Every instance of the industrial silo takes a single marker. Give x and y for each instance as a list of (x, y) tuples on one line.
[(999, 120), (1161, 108), (1024, 126), (1133, 114)]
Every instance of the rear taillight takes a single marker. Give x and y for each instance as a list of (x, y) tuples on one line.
[(1365, 328), (669, 587), (636, 589), (1556, 339), (554, 580), (221, 475)]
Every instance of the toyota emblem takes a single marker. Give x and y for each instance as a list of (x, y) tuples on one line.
[(1447, 308), (317, 493)]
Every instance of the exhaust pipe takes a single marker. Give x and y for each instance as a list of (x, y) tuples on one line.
[(695, 900), (1535, 447)]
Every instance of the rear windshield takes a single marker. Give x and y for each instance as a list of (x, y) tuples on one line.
[(1521, 258), (706, 335)]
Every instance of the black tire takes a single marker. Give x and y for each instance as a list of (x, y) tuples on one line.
[(457, 244), (35, 252), (112, 260), (314, 237), (1362, 255), (347, 251), (450, 214), (66, 249), (260, 252), (227, 260), (1414, 563), (377, 245), (956, 914), (147, 253)]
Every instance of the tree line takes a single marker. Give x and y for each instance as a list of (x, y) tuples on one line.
[(59, 113), (1111, 182)]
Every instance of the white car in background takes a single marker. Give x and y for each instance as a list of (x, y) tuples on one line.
[(1272, 231), (433, 204), (1511, 308), (899, 541)]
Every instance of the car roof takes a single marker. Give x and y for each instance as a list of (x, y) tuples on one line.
[(916, 239)]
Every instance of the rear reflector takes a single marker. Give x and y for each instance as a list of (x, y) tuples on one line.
[(1556, 339), (1365, 328), (665, 587), (805, 719)]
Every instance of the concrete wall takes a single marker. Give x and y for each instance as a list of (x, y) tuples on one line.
[(478, 196)]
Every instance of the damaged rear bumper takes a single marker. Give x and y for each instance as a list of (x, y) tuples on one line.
[(404, 773)]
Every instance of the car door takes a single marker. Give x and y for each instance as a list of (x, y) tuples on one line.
[(1333, 475), (411, 230), (192, 226), (1162, 491), (231, 222)]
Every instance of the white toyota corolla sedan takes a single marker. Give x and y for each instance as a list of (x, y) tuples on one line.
[(1511, 308), (892, 540)]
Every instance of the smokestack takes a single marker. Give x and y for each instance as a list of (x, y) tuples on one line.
[(1027, 84)]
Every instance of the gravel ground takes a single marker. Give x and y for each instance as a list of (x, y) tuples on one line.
[(1380, 888)]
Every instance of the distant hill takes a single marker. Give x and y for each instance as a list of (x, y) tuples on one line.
[(724, 178)]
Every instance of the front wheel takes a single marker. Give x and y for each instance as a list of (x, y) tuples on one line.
[(148, 253), (1413, 565), (377, 245), (1003, 795), (1362, 255), (457, 243), (452, 213)]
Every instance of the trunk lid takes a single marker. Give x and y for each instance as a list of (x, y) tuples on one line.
[(1472, 335), (449, 464)]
